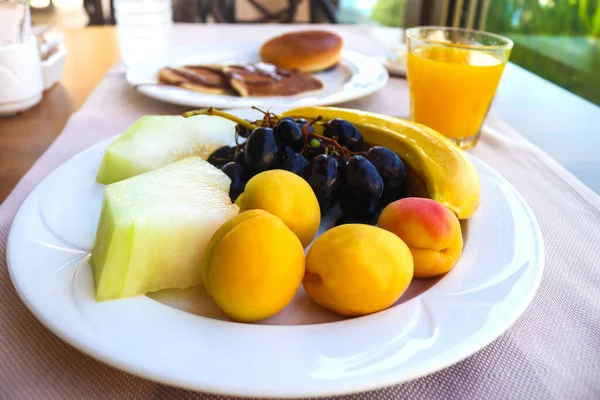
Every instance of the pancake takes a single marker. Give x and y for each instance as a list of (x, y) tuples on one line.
[(247, 80), (263, 80), (203, 79)]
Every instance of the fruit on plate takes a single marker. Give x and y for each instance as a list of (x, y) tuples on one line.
[(154, 141), (333, 163), (154, 228), (449, 175), (253, 266), (392, 171), (289, 197), (260, 150), (431, 231), (324, 176), (235, 172), (346, 133), (357, 269), (363, 189)]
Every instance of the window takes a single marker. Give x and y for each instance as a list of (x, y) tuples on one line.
[(556, 39)]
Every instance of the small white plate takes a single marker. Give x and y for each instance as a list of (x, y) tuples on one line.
[(395, 61), (53, 66), (179, 337), (355, 76)]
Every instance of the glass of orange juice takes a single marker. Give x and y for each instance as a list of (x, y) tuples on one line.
[(453, 75)]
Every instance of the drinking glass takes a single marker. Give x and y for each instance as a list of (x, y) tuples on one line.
[(144, 28), (453, 75)]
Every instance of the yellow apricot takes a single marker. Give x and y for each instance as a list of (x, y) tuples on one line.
[(289, 197), (253, 267), (357, 269)]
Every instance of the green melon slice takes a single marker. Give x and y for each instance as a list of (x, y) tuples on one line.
[(154, 228), (154, 141)]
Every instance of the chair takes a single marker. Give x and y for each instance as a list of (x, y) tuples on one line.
[(320, 11), (327, 7), (191, 10), (224, 11), (94, 10)]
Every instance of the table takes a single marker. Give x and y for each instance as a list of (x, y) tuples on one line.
[(560, 123), (550, 352)]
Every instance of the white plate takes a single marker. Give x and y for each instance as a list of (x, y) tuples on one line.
[(354, 77), (395, 61), (181, 338)]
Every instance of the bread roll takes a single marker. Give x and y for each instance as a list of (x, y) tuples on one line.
[(303, 51)]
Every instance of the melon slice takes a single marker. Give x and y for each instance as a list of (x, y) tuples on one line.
[(154, 141), (154, 228)]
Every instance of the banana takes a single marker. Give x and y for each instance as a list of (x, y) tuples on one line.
[(449, 175)]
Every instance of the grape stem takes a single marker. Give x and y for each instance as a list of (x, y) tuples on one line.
[(238, 145), (309, 135), (267, 115), (267, 120), (333, 141), (214, 111)]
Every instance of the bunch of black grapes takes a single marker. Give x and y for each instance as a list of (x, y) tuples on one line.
[(337, 165)]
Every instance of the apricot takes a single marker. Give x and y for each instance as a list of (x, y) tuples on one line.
[(253, 267), (289, 197), (431, 231), (357, 269)]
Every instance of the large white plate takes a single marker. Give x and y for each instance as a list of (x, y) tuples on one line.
[(355, 76), (181, 338)]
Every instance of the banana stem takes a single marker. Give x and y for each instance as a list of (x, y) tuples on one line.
[(214, 111)]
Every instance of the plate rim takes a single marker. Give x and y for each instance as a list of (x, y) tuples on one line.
[(373, 384)]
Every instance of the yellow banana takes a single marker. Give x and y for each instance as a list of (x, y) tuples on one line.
[(449, 175)]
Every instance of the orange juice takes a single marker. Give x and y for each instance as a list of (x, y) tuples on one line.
[(452, 88)]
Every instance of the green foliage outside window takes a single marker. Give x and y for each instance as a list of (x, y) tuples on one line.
[(389, 12), (556, 39)]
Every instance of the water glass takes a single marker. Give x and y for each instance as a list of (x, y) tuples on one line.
[(144, 27)]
